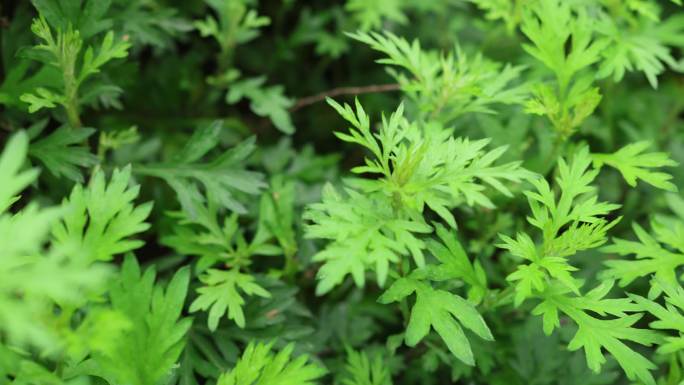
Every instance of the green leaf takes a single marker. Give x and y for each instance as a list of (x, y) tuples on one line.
[(222, 177), (371, 14), (550, 25), (86, 16), (365, 235), (264, 101), (234, 24), (100, 218), (576, 206), (359, 369), (445, 86), (41, 98), (63, 152), (108, 50), (669, 317), (454, 264), (504, 10), (13, 181), (203, 235), (277, 214), (635, 165), (420, 169), (595, 334), (148, 24), (562, 39), (220, 295), (38, 281), (528, 278), (569, 223), (651, 256), (645, 46), (566, 112), (20, 80), (260, 366), (444, 312), (379, 220), (157, 330), (63, 52)]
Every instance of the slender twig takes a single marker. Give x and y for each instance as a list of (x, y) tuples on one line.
[(303, 102)]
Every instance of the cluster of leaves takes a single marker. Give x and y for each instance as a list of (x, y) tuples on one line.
[(572, 223), (504, 206)]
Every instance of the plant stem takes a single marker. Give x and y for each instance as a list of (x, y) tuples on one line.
[(291, 266), (303, 102), (72, 115), (71, 91)]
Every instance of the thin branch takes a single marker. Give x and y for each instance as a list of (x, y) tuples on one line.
[(303, 102)]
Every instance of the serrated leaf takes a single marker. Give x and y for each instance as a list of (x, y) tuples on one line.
[(157, 331), (100, 218), (360, 369), (221, 177), (63, 152), (264, 101), (442, 311), (220, 295), (260, 366), (635, 165)]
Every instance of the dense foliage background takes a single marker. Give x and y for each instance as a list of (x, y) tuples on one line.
[(490, 195)]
